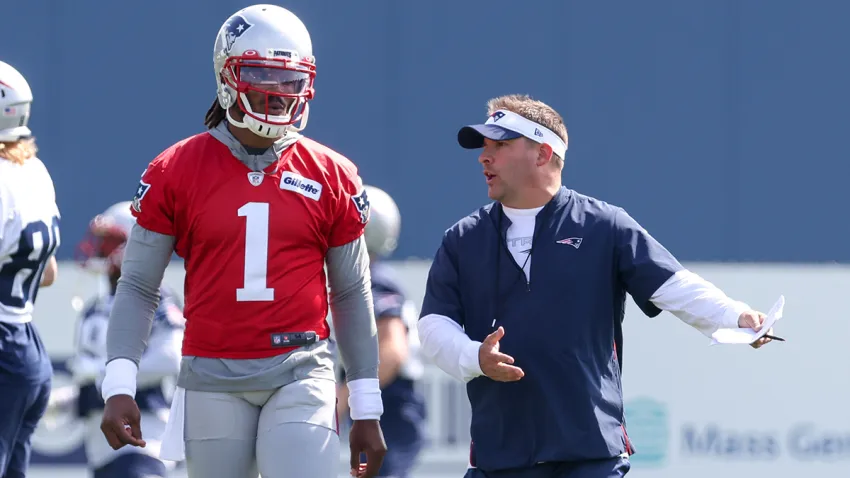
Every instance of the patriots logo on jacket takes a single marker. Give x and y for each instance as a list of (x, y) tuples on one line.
[(571, 241), (361, 202), (235, 28)]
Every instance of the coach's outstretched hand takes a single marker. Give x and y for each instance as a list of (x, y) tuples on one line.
[(121, 422), (495, 364), (753, 319), (366, 437)]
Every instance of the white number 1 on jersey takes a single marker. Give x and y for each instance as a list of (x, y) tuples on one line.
[(256, 253)]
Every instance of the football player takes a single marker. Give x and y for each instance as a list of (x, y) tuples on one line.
[(256, 210), (29, 236), (401, 366), (107, 232), (157, 369)]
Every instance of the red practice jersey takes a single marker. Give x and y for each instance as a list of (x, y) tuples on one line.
[(254, 244)]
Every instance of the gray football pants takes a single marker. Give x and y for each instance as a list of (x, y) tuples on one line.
[(290, 432)]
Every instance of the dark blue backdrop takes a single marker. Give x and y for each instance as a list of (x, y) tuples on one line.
[(717, 124)]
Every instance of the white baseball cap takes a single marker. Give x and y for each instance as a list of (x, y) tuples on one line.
[(505, 125)]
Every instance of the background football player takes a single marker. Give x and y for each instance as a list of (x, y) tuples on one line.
[(400, 366), (29, 236), (103, 249)]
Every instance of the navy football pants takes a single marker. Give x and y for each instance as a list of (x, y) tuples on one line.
[(610, 468), (132, 465), (398, 461), (22, 404)]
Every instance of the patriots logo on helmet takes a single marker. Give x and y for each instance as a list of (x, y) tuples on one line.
[(361, 202), (140, 193), (571, 241), (235, 28)]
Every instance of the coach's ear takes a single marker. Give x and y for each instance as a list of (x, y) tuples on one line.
[(545, 154)]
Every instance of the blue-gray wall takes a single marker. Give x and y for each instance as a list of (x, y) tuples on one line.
[(717, 124)]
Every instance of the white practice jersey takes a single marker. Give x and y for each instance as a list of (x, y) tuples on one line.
[(155, 383), (29, 235)]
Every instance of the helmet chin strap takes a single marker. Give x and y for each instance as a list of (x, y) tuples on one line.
[(302, 122), (261, 128), (257, 127)]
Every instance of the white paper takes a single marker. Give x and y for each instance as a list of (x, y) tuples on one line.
[(748, 336)]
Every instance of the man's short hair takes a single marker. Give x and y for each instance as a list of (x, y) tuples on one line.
[(533, 110)]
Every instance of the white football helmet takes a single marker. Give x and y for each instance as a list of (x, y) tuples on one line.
[(384, 224), (265, 50), (15, 101), (107, 232)]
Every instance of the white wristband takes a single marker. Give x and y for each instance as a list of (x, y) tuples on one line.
[(119, 378), (364, 399)]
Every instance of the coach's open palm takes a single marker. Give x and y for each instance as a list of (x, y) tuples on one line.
[(121, 422), (753, 319), (495, 364)]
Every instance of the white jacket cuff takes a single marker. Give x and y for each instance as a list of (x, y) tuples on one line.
[(444, 342), (698, 303), (734, 309), (469, 364)]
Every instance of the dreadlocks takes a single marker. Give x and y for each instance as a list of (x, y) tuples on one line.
[(214, 115)]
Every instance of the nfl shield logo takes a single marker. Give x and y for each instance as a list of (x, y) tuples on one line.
[(255, 178)]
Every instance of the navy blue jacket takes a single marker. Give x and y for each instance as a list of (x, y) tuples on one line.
[(563, 327)]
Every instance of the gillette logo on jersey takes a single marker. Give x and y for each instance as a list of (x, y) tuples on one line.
[(307, 187), (249, 273)]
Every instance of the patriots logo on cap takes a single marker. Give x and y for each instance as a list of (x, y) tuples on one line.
[(235, 28), (497, 116)]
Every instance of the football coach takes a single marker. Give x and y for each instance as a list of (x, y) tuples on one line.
[(539, 342)]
